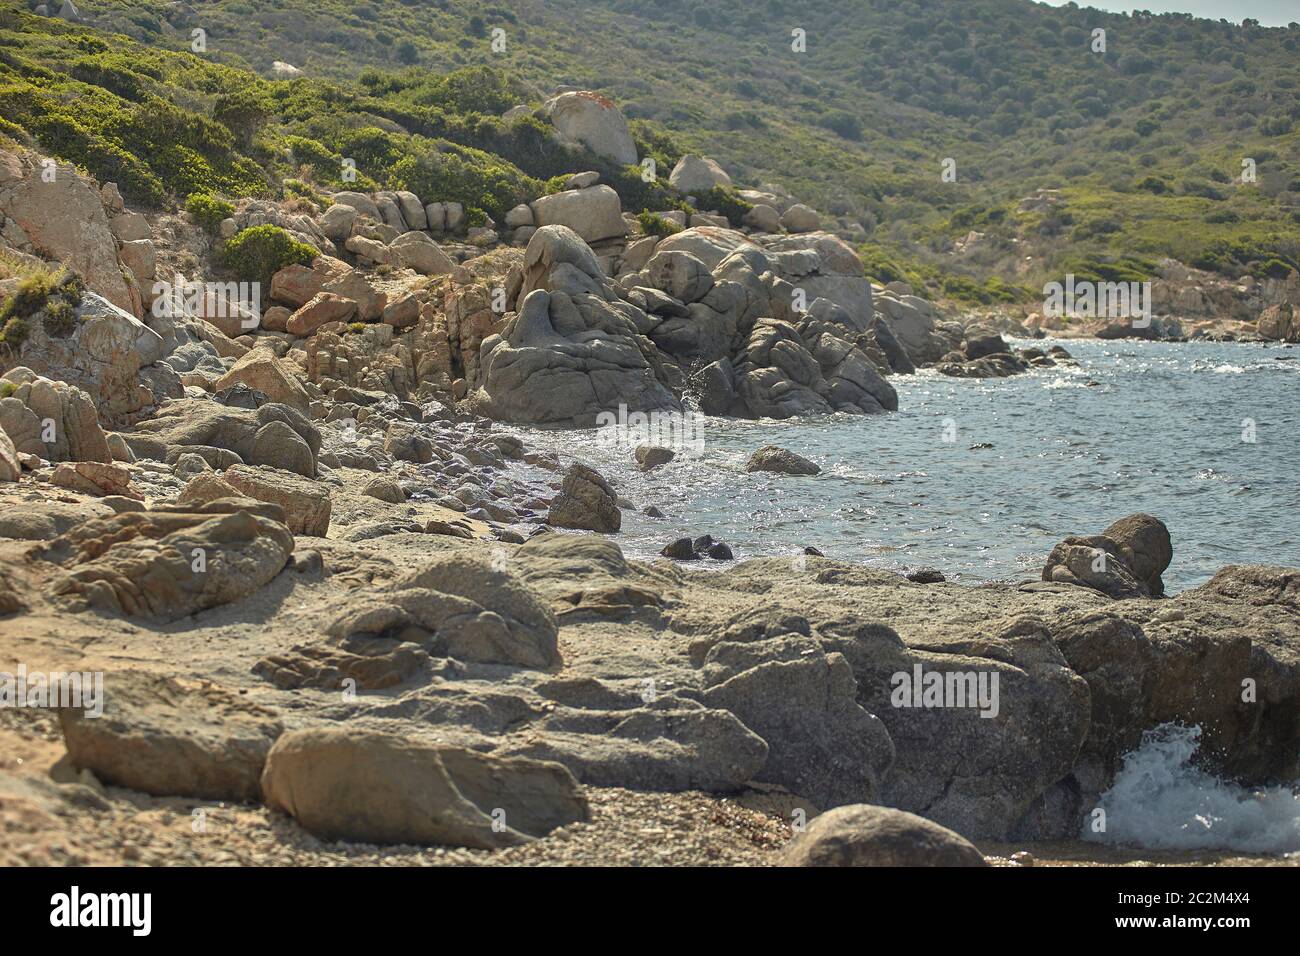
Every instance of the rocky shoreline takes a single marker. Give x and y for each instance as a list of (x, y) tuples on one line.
[(343, 615)]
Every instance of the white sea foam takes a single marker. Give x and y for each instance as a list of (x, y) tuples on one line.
[(1160, 801)]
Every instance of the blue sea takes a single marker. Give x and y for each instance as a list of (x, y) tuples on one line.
[(980, 478)]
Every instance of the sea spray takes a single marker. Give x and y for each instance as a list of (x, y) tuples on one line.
[(1160, 801)]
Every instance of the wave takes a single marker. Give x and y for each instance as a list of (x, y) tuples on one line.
[(1160, 801)]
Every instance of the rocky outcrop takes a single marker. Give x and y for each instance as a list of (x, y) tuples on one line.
[(51, 419), (697, 174), (593, 213), (572, 349), (164, 565), (50, 209), (1124, 561)]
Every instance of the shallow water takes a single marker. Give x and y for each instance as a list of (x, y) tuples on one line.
[(1137, 426)]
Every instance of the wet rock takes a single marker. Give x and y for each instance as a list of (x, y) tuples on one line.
[(649, 457), (926, 576), (780, 460), (585, 501)]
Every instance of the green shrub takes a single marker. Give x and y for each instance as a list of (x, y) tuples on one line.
[(208, 211), (7, 388), (653, 225), (726, 202), (258, 253), (12, 335)]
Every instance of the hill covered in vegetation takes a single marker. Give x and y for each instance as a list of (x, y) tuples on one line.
[(855, 105)]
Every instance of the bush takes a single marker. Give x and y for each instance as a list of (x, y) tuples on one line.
[(208, 211), (258, 253), (726, 202), (653, 225)]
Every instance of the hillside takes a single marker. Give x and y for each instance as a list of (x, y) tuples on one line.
[(1144, 141)]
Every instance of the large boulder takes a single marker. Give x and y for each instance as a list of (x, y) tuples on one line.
[(593, 213), (593, 121), (1124, 561), (782, 461), (172, 737), (259, 369), (62, 217), (457, 606), (103, 356), (222, 435), (51, 419), (164, 565), (697, 174), (306, 504), (864, 835), (585, 501), (346, 784)]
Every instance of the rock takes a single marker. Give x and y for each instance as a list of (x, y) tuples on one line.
[(800, 218), (763, 218), (259, 369), (403, 311), (1144, 543), (51, 419), (341, 783), (63, 217), (323, 308), (355, 286), (277, 445), (295, 285), (697, 174), (926, 576), (980, 342), (306, 504), (585, 501), (166, 565), (1125, 561), (680, 274), (649, 457), (222, 435), (680, 550), (522, 215), (1280, 322), (574, 349), (281, 70), (593, 213), (337, 222), (130, 227), (94, 478), (172, 737), (801, 700), (385, 489), (404, 442), (139, 257), (780, 460), (595, 122), (10, 469), (865, 835), (420, 253), (461, 606), (412, 210), (105, 356)]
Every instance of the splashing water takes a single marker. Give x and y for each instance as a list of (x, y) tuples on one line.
[(1160, 801)]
